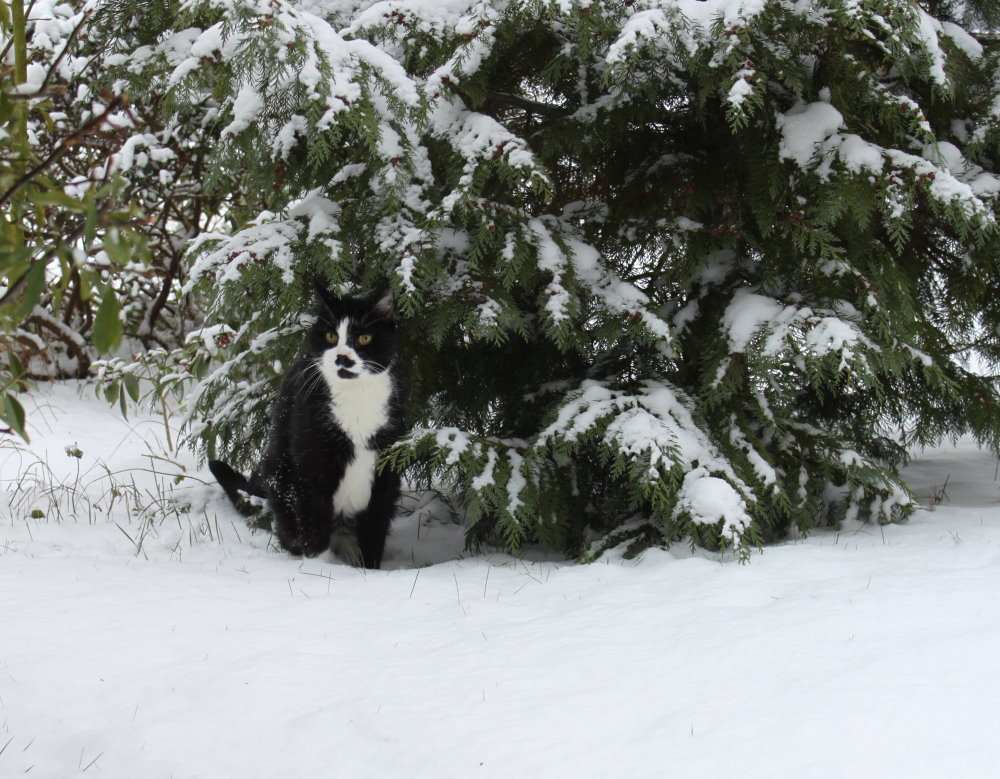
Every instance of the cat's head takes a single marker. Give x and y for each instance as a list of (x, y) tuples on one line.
[(353, 337)]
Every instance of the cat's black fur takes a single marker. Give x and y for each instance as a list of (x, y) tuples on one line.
[(321, 421)]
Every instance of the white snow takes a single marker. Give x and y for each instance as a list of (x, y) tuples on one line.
[(748, 313), (682, 24), (859, 155), (515, 484), (709, 499), (321, 212), (285, 140), (972, 48), (785, 328), (810, 137), (804, 128), (248, 104), (928, 29), (869, 651), (742, 86), (644, 25), (209, 336), (653, 420)]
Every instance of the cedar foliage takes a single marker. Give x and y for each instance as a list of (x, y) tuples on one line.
[(668, 270)]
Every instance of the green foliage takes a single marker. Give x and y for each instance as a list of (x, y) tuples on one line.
[(44, 230), (89, 251), (696, 271)]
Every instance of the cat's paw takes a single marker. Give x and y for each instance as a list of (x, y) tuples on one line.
[(345, 546)]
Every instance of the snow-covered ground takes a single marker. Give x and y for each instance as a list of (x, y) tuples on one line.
[(184, 645)]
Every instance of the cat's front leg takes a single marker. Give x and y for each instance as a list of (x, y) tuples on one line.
[(316, 522), (286, 505), (373, 523)]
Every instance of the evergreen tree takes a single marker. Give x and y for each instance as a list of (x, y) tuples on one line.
[(668, 269)]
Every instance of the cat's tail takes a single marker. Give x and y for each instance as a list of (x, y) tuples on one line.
[(233, 483)]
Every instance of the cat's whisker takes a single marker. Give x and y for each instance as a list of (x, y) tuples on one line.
[(310, 380)]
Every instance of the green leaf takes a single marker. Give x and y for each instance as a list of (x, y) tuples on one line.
[(87, 279), (131, 386), (55, 197), (112, 392), (6, 105), (17, 373), (117, 247), (107, 324), (16, 368), (13, 415), (14, 258), (90, 226), (34, 286)]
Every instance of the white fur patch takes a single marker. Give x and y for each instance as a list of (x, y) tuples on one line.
[(355, 488), (342, 347), (360, 407)]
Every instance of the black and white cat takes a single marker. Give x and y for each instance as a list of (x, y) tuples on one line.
[(338, 408)]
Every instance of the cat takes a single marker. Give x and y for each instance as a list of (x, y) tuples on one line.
[(337, 409)]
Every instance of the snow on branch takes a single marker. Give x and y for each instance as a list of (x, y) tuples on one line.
[(654, 421), (680, 28), (779, 332), (651, 432), (479, 139), (810, 136), (562, 254), (320, 75), (492, 473), (270, 239)]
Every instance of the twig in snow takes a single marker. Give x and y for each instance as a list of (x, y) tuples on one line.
[(91, 762)]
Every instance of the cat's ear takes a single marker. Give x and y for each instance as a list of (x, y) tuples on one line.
[(385, 304), (325, 297)]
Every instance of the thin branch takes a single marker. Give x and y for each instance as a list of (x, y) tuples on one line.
[(56, 91), (62, 148), (65, 49), (531, 106), (15, 289), (67, 240), (154, 310), (65, 334)]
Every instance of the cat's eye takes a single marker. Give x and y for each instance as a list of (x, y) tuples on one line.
[(364, 339), (331, 338)]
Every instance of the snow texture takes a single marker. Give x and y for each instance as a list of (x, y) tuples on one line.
[(868, 651), (751, 315), (811, 137)]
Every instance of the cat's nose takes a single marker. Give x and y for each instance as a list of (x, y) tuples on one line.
[(344, 361)]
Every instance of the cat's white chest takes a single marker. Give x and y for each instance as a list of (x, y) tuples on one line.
[(360, 408)]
